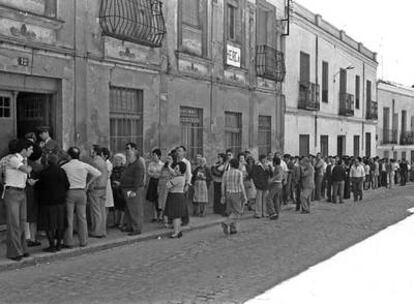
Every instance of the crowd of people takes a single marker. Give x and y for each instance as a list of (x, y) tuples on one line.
[(47, 189)]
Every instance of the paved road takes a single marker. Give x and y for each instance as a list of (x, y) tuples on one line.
[(206, 266)]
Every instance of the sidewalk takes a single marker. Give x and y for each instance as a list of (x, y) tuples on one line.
[(116, 238)]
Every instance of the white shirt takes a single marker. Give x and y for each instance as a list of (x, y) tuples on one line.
[(283, 165), (187, 175), (357, 171), (13, 176), (77, 173)]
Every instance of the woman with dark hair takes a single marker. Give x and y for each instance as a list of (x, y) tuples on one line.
[(176, 207), (217, 172), (167, 173), (52, 187), (119, 161), (32, 207), (154, 173)]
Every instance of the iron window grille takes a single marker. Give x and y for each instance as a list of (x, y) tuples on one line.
[(191, 123), (126, 118), (5, 107), (389, 136), (309, 96), (346, 104), (270, 63), (139, 21)]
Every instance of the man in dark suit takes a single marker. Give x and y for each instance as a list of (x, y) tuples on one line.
[(328, 178)]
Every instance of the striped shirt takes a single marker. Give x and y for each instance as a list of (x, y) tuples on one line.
[(233, 181)]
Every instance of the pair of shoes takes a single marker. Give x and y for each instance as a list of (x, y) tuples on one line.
[(257, 216), (83, 245), (225, 228), (132, 233), (49, 249), (66, 246), (154, 220), (96, 236), (31, 243), (125, 229), (274, 216), (176, 236), (233, 229), (26, 255), (17, 259), (305, 212)]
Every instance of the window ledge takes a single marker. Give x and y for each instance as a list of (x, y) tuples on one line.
[(181, 54), (30, 18)]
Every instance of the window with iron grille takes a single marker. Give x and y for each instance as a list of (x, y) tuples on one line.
[(5, 107), (139, 21), (191, 123), (265, 134), (233, 131), (126, 119)]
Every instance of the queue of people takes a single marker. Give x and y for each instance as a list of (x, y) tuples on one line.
[(51, 190)]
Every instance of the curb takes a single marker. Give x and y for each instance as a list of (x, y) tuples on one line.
[(42, 258)]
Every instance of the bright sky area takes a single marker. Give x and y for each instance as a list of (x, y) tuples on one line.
[(385, 27)]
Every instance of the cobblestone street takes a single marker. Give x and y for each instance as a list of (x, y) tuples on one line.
[(205, 266)]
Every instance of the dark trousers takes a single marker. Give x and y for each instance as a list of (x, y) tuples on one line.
[(357, 187), (15, 201), (329, 190), (403, 178), (338, 189), (218, 207), (135, 210), (297, 195), (384, 179), (318, 187)]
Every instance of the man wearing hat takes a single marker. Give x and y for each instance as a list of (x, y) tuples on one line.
[(48, 145)]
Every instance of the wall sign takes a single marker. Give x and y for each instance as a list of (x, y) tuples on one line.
[(24, 61), (233, 55)]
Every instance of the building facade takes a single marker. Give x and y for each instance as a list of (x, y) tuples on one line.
[(396, 121), (330, 90), (208, 74)]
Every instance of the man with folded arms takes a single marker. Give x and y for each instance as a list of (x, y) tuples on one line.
[(80, 176)]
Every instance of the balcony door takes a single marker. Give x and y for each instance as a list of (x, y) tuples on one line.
[(342, 81), (341, 145), (368, 144), (304, 145), (304, 67)]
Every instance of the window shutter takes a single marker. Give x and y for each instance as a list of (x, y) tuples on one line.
[(261, 38), (238, 25)]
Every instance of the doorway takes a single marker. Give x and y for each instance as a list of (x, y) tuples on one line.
[(341, 148), (33, 111)]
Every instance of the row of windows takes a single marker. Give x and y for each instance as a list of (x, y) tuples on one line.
[(304, 145), (126, 124), (304, 75), (398, 156)]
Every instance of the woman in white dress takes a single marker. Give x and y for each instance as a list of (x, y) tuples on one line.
[(109, 203)]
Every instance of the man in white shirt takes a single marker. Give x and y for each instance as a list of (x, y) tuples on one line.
[(181, 153), (16, 175), (80, 175), (357, 175)]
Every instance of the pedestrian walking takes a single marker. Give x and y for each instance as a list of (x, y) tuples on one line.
[(357, 176), (176, 207), (260, 175), (307, 184), (80, 176), (132, 185), (14, 194), (154, 173), (234, 195), (52, 187), (97, 194), (275, 189)]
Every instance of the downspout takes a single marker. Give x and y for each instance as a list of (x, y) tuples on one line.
[(316, 82), (75, 69), (364, 106), (211, 65)]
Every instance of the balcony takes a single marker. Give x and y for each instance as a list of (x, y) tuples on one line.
[(372, 110), (407, 138), (270, 63), (346, 104), (138, 21), (389, 137), (308, 96)]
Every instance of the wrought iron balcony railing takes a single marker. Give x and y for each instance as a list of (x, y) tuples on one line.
[(139, 21), (270, 63), (407, 138), (372, 110), (389, 136), (346, 104), (309, 96)]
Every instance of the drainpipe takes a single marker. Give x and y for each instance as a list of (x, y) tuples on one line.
[(316, 82), (211, 66), (75, 69), (364, 107)]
